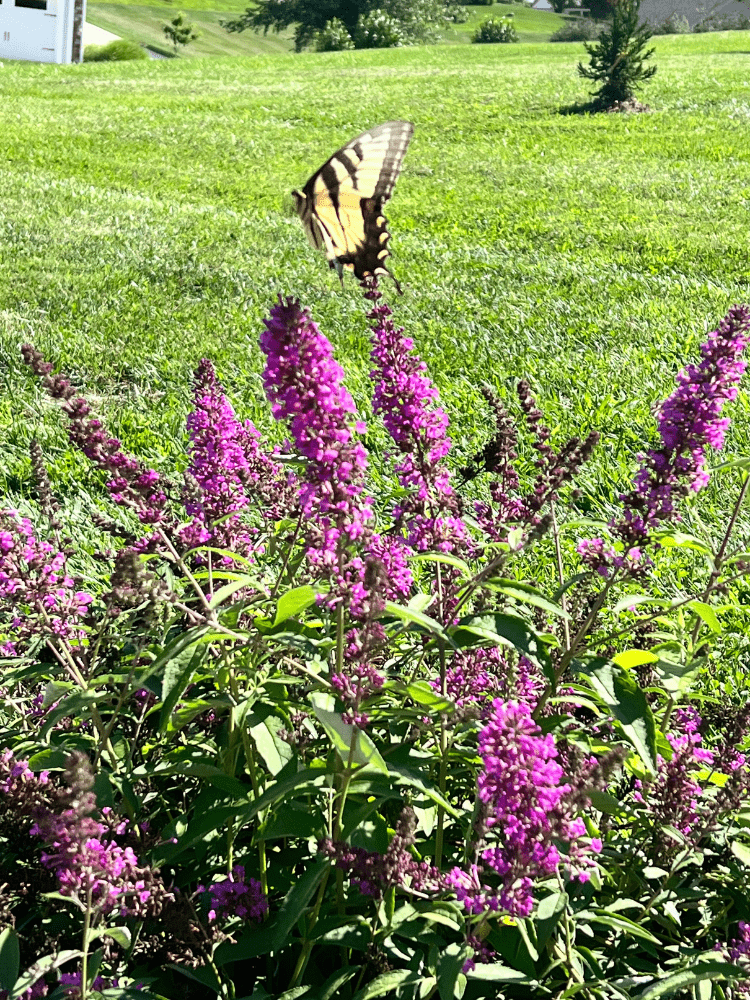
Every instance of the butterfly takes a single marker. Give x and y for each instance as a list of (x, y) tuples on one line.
[(341, 206)]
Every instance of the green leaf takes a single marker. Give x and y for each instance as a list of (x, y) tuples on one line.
[(305, 781), (679, 981), (498, 973), (119, 934), (10, 958), (741, 852), (223, 593), (350, 742), (548, 914), (276, 753), (333, 984), (39, 969), (707, 614), (442, 557), (627, 702), (389, 981), (292, 602), (527, 594), (415, 618), (424, 694), (633, 600), (408, 776), (449, 967), (633, 658), (617, 922), (178, 673), (203, 974), (174, 649)]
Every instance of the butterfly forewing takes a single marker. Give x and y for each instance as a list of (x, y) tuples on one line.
[(341, 204)]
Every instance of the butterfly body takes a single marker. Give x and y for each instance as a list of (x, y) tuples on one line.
[(341, 206)]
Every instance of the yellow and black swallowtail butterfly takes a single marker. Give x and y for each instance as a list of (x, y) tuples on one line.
[(341, 206)]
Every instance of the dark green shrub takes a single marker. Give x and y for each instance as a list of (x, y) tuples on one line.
[(116, 51), (617, 58), (675, 24), (334, 37), (726, 22), (379, 30), (180, 31), (457, 13), (484, 3), (578, 30), (495, 30)]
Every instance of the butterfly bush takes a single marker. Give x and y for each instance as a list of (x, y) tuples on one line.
[(234, 897), (370, 749), (689, 423), (529, 809), (304, 384), (37, 592)]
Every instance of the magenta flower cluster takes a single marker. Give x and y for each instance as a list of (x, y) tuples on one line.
[(219, 468), (372, 872), (689, 423), (529, 811), (408, 403), (37, 593), (234, 897), (133, 484), (673, 799), (304, 384)]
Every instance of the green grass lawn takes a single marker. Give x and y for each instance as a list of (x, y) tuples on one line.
[(143, 22), (145, 25), (146, 223)]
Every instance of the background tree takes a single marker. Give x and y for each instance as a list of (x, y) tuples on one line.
[(419, 19), (618, 56), (180, 31)]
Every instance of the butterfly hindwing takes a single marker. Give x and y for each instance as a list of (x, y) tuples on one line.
[(341, 206)]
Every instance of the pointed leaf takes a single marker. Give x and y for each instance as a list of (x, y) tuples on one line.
[(627, 702), (10, 958), (707, 614), (39, 969), (351, 742), (526, 594), (387, 983), (679, 981), (293, 601)]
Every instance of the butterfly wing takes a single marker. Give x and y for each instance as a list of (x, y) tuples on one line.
[(341, 206)]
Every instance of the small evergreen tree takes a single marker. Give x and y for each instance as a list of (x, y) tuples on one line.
[(617, 58), (179, 31)]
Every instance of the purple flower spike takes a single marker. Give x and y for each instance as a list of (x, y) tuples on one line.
[(689, 422), (304, 384), (36, 589), (233, 897), (528, 812), (133, 485)]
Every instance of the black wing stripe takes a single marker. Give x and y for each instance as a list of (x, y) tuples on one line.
[(343, 202)]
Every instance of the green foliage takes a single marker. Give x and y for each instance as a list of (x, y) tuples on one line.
[(378, 30), (117, 50), (675, 24), (135, 264), (179, 31), (371, 23), (496, 30), (578, 29), (616, 60), (484, 3), (333, 38), (723, 22)]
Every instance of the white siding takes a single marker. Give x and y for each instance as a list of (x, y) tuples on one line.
[(37, 35)]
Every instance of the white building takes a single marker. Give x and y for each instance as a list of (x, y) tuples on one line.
[(42, 30)]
